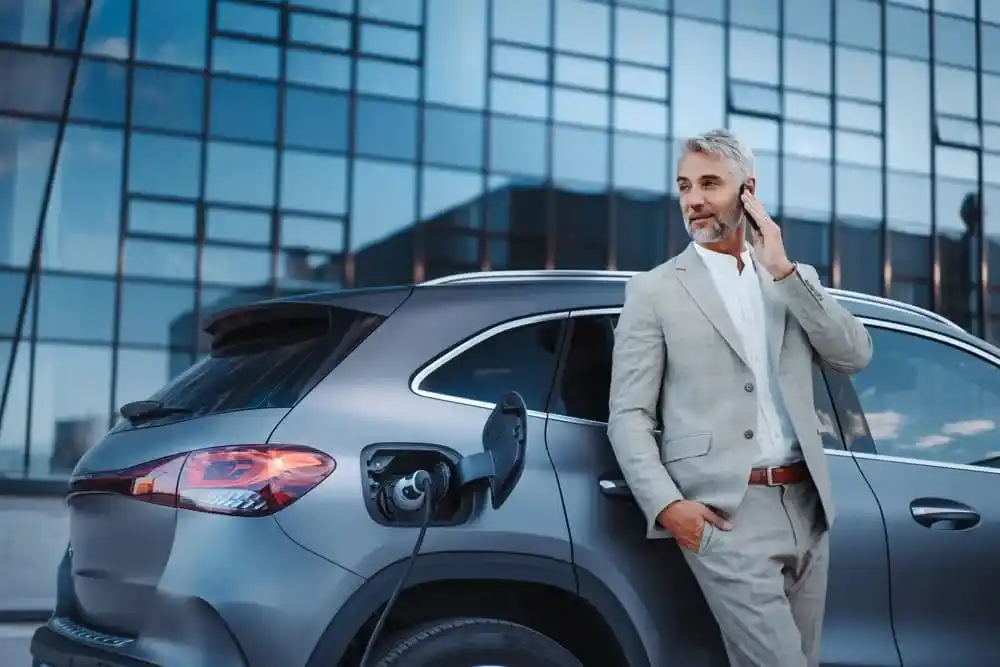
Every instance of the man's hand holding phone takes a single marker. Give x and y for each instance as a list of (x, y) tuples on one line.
[(766, 237)]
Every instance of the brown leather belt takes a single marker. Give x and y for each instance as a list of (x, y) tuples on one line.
[(780, 475)]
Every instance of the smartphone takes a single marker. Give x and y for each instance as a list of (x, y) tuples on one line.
[(753, 223)]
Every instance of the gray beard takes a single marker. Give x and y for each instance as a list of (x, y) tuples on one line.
[(719, 230)]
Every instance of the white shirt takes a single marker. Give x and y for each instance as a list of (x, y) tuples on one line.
[(744, 301)]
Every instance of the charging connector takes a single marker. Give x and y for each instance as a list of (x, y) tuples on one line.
[(414, 491)]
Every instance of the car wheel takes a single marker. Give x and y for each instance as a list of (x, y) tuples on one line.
[(475, 642)]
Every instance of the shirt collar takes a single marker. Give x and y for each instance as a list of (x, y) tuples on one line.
[(719, 260)]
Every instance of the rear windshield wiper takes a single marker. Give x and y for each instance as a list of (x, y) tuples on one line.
[(142, 410)]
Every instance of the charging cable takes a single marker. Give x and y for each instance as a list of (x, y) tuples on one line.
[(407, 494)]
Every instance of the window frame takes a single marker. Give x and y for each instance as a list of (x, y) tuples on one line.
[(847, 403), (834, 384), (456, 351)]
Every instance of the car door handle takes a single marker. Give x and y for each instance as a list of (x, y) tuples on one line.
[(943, 514), (614, 489)]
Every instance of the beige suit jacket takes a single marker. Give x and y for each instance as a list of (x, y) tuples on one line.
[(678, 352)]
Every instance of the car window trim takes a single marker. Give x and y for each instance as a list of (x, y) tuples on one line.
[(937, 337), (468, 344)]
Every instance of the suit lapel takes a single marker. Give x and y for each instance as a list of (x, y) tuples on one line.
[(774, 310), (697, 281)]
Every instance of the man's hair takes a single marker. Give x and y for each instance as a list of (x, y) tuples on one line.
[(727, 145)]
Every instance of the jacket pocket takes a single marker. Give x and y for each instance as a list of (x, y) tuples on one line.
[(685, 447)]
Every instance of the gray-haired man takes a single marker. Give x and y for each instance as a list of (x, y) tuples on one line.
[(721, 341)]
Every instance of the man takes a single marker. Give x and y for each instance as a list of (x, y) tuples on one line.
[(721, 341)]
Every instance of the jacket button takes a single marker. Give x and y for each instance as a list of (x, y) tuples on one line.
[(748, 434), (748, 386)]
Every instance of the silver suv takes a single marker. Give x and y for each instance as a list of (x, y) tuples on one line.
[(262, 508)]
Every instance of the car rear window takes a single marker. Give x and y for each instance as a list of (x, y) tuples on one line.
[(266, 363)]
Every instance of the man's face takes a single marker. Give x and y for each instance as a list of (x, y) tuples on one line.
[(709, 195)]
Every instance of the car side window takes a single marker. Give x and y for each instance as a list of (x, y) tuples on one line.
[(926, 399), (522, 359), (584, 380)]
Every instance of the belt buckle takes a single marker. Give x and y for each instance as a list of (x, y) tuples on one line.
[(769, 476)]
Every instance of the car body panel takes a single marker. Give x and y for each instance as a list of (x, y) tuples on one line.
[(346, 413)]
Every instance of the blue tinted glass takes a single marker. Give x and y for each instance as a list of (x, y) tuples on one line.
[(455, 60), (22, 72), (162, 165), (323, 31), (76, 308), (316, 119), (240, 174), (108, 29), (386, 129), (99, 92), (241, 17), (161, 218), (172, 33), (315, 183), (235, 56), (244, 110), (29, 145), (166, 99), (453, 137)]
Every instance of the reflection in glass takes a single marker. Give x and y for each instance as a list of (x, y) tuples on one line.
[(240, 174), (808, 19), (226, 265), (641, 37), (518, 146), (381, 40), (70, 401), (14, 426), (75, 308), (583, 27), (311, 182), (81, 231), (159, 259), (909, 219), (316, 120), (806, 65), (386, 129), (517, 98), (239, 226), (954, 41), (762, 14), (161, 165), (455, 195), (166, 99), (523, 21), (385, 79), (907, 32), (150, 314), (172, 33), (161, 218), (699, 76), (859, 237), (243, 110), (247, 19), (859, 74), (959, 217), (26, 148), (312, 68), (455, 52), (859, 23), (640, 163), (580, 155), (236, 56), (908, 106), (642, 227), (12, 285), (322, 31), (99, 93), (453, 137), (376, 217), (40, 80), (753, 56)]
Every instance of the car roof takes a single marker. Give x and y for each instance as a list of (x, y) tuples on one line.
[(583, 289)]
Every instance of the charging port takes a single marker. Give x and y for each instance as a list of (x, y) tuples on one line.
[(384, 464)]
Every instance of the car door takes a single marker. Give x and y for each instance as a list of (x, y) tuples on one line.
[(925, 429), (650, 577)]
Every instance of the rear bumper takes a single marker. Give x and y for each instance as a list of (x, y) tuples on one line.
[(234, 593), (56, 650)]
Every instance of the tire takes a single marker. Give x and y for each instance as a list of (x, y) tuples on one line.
[(472, 642)]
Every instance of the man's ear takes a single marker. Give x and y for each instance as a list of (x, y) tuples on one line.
[(752, 185)]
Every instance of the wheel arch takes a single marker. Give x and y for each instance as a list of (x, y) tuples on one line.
[(501, 568)]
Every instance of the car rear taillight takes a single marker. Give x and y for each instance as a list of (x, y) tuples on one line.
[(243, 480)]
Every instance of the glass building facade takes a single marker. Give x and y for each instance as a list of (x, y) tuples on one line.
[(161, 159)]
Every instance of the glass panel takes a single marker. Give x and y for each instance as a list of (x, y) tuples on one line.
[(30, 25), (386, 129), (240, 174), (954, 41), (642, 37), (927, 400), (958, 218), (81, 232), (753, 56), (70, 404), (254, 20), (168, 100), (375, 217), (641, 82), (322, 31), (12, 284), (909, 212), (761, 14), (222, 224), (859, 23), (157, 314), (14, 421), (397, 11), (316, 120), (699, 78), (311, 68), (524, 21), (583, 27), (156, 259), (380, 40), (907, 32), (99, 93), (316, 183), (245, 58), (22, 71), (161, 165), (808, 19), (453, 137), (75, 308), (162, 218), (859, 214), (642, 229), (518, 146), (455, 57), (515, 98), (451, 198), (640, 163), (859, 74), (908, 105), (243, 110), (224, 265), (376, 77), (807, 66), (172, 33), (573, 106), (580, 155), (26, 149)]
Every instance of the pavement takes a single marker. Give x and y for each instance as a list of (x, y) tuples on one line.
[(15, 640)]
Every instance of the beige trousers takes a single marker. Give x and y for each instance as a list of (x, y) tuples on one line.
[(765, 580)]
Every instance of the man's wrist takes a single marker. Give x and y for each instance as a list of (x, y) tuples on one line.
[(784, 271)]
